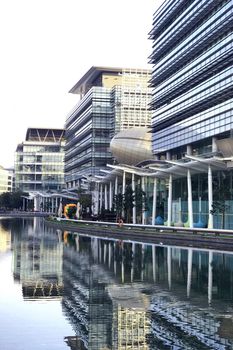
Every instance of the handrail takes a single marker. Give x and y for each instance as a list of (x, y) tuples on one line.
[(160, 228)]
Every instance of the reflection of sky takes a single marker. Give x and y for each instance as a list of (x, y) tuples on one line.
[(28, 324)]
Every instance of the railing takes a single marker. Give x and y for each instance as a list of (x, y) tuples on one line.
[(155, 228)]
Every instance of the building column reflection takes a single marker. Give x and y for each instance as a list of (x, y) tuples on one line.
[(169, 266), (154, 262), (189, 277), (210, 277)]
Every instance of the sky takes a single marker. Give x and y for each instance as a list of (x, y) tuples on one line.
[(47, 45)]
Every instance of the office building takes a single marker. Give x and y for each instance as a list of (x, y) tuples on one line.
[(192, 76), (6, 180), (39, 161), (111, 100)]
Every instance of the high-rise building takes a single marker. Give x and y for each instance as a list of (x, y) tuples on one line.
[(39, 160), (111, 100), (192, 76)]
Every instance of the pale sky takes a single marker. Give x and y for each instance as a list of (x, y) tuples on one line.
[(47, 45)]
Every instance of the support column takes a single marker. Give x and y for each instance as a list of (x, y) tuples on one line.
[(210, 197), (169, 205), (210, 277), (190, 199), (168, 155), (116, 186), (214, 144), (101, 197), (123, 190), (143, 204), (134, 202), (56, 204), (154, 201), (110, 195), (52, 200), (189, 150), (189, 278), (105, 197)]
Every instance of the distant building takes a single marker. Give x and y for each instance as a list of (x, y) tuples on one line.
[(111, 100), (39, 161), (6, 180)]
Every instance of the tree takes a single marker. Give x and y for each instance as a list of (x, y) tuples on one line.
[(128, 202), (118, 204), (221, 193), (140, 200)]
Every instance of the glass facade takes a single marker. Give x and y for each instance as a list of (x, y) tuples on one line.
[(111, 100), (192, 76), (39, 161)]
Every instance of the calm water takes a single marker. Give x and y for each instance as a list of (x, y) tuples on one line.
[(61, 290)]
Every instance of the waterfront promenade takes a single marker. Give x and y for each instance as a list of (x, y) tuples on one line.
[(22, 214), (205, 238)]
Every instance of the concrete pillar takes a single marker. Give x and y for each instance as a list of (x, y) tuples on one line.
[(143, 205), (105, 197), (214, 144), (52, 200), (210, 197), (190, 199), (168, 156), (110, 195), (123, 183), (169, 205), (101, 196), (134, 203), (116, 186), (189, 150), (154, 201), (123, 190), (210, 277), (189, 278)]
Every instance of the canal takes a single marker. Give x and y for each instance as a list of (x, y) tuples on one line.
[(65, 290)]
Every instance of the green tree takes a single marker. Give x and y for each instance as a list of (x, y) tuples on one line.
[(118, 204), (140, 200), (221, 194), (128, 202)]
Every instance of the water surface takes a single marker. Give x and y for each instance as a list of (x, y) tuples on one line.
[(63, 290)]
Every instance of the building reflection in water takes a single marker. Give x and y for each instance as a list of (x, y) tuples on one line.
[(37, 260), (5, 237), (135, 295), (126, 295)]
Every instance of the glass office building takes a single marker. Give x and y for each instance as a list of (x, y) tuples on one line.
[(111, 100), (192, 76), (39, 161)]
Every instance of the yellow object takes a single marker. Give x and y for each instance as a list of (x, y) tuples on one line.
[(66, 207)]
